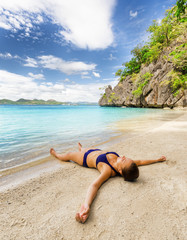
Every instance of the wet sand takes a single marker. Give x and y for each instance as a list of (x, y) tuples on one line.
[(40, 202)]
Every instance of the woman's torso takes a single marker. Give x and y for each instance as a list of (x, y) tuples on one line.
[(101, 166)]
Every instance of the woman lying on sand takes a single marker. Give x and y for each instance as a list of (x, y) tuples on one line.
[(109, 164)]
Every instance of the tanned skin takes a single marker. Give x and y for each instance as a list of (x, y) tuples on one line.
[(105, 170)]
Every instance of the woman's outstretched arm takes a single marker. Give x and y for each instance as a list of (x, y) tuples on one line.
[(147, 162), (83, 214)]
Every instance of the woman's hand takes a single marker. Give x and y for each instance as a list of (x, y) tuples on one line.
[(83, 214), (162, 159)]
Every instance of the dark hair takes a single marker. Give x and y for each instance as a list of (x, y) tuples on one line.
[(131, 172)]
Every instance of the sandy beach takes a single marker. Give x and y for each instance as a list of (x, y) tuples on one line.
[(41, 202)]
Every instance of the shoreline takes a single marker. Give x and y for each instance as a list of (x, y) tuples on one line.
[(39, 161), (124, 129), (117, 130), (43, 206), (113, 136)]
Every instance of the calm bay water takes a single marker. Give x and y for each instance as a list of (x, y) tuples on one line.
[(28, 132)]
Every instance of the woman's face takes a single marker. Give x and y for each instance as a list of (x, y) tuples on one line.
[(123, 162)]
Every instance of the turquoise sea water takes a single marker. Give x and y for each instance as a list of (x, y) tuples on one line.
[(28, 132)]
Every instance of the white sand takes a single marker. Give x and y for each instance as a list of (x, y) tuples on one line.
[(43, 205)]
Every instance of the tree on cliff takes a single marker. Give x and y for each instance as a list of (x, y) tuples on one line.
[(181, 7), (172, 26), (156, 76)]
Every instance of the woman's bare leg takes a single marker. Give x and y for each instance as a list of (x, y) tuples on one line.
[(62, 157), (74, 156), (81, 149)]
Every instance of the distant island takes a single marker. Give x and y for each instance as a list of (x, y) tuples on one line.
[(23, 101)]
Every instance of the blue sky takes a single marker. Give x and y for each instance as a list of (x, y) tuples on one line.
[(68, 50)]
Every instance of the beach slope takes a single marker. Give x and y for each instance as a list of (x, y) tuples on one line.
[(154, 207)]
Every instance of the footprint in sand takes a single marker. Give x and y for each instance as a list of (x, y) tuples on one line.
[(171, 163)]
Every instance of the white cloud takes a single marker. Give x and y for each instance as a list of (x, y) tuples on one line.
[(36, 76), (27, 34), (86, 24), (17, 19), (85, 77), (31, 62), (96, 75), (14, 22), (39, 19), (85, 73), (133, 14), (111, 57), (111, 81), (48, 83), (55, 63), (14, 86), (68, 67), (107, 79), (7, 56), (4, 23)]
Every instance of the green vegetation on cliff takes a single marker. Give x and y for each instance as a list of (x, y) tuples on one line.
[(112, 97), (171, 30), (142, 81)]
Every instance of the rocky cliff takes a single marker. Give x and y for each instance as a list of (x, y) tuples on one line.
[(156, 76), (151, 87)]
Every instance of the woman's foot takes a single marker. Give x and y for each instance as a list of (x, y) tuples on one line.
[(80, 147), (162, 159), (53, 152)]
